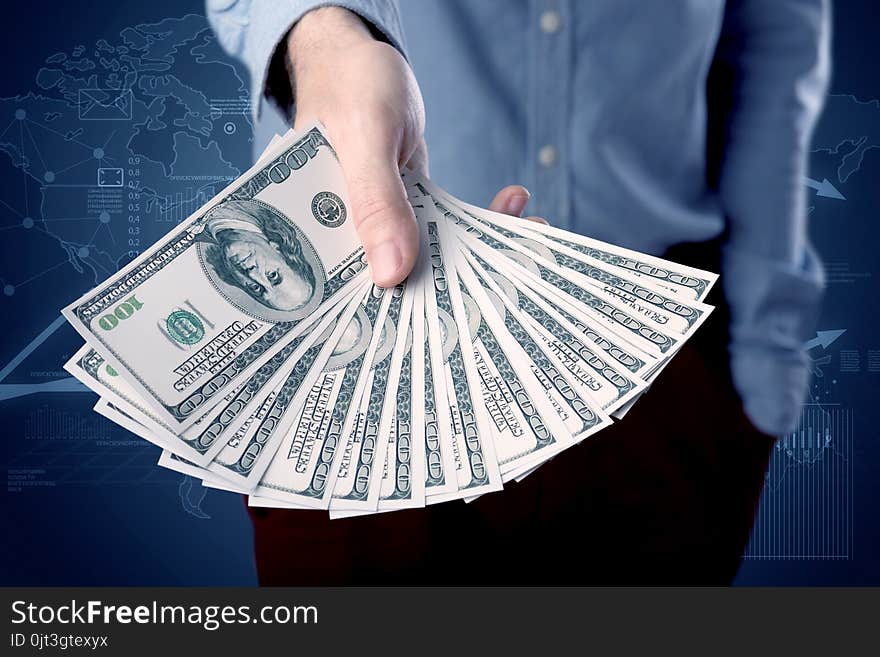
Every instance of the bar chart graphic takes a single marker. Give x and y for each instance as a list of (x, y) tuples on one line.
[(175, 208), (806, 511)]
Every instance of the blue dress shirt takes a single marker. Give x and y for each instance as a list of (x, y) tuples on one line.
[(600, 108)]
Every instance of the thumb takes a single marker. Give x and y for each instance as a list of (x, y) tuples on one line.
[(383, 217)]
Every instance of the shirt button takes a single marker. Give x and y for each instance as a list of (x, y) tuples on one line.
[(550, 21), (547, 156)]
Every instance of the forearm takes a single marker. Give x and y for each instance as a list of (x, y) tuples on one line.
[(773, 68), (771, 74)]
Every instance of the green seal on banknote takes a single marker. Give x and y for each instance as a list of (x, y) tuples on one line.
[(184, 327), (328, 209)]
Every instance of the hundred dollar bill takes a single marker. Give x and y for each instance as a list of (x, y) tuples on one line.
[(440, 451), (637, 362), (403, 481), (397, 487), (91, 369), (249, 448), (672, 313), (641, 364), (246, 457), (527, 428), (302, 470), (679, 280), (554, 275), (249, 454), (477, 464), (602, 377), (243, 438), (247, 461), (357, 480), (204, 439), (581, 414), (268, 252), (438, 465), (682, 281), (606, 290), (404, 485), (642, 332)]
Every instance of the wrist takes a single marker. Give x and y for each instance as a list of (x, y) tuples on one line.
[(324, 30)]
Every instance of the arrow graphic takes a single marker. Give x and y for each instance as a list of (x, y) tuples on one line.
[(36, 342), (824, 338), (15, 390), (824, 188)]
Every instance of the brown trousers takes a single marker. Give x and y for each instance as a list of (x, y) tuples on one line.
[(665, 496)]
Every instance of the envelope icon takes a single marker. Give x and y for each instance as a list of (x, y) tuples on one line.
[(110, 177), (105, 104)]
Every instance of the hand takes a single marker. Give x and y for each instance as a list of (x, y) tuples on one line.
[(365, 94)]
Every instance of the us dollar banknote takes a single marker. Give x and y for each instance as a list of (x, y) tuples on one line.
[(527, 427), (680, 280), (606, 381), (357, 480), (304, 468), (546, 272), (249, 345), (402, 481), (478, 471), (223, 424), (439, 465), (581, 414), (258, 260)]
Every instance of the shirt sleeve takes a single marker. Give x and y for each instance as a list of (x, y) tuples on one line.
[(252, 30), (773, 67)]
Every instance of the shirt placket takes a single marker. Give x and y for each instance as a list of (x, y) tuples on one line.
[(550, 26)]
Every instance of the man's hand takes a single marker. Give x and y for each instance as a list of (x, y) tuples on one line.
[(365, 94)]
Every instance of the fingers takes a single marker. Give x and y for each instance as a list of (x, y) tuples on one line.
[(382, 215), (512, 200)]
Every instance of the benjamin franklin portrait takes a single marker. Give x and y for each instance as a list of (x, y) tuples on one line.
[(249, 247)]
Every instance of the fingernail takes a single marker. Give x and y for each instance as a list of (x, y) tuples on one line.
[(516, 204), (385, 261)]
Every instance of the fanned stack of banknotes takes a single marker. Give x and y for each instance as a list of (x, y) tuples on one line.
[(250, 344)]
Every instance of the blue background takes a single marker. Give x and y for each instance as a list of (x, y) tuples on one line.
[(85, 502)]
